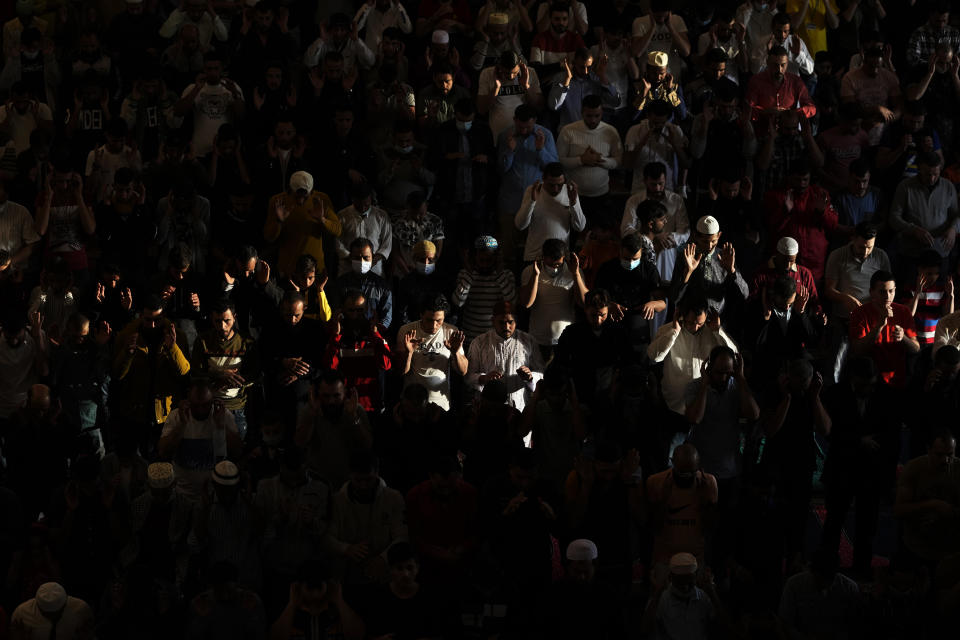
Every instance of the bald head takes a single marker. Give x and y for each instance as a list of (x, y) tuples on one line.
[(686, 459)]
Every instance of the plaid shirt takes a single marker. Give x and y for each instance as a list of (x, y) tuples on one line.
[(923, 42)]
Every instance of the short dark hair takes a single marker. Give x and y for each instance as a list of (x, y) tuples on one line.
[(859, 168), (361, 244), (722, 350), (866, 230), (784, 286), (554, 248), (778, 51), (781, 18), (650, 210), (305, 264), (508, 60), (553, 169), (929, 258), (364, 461), (441, 67), (695, 304), (464, 106), (524, 112), (180, 256), (597, 298), (880, 277), (401, 551), (434, 302), (717, 55), (654, 170), (929, 158), (222, 306), (947, 355), (631, 242), (592, 101)]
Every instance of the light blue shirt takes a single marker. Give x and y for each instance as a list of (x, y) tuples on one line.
[(523, 166)]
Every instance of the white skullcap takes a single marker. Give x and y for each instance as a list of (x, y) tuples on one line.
[(581, 549), (708, 225)]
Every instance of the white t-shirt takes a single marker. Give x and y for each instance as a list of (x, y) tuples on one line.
[(109, 164), (553, 310), (210, 110), (510, 97), (661, 40), (430, 365), (200, 448), (657, 149), (21, 126)]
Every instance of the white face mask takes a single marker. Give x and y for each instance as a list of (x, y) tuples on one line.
[(424, 268), (405, 149), (361, 266), (464, 126), (553, 273), (366, 211), (630, 265)]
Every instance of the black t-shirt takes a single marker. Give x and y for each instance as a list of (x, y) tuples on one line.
[(631, 288)]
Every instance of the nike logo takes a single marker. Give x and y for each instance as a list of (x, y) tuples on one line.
[(678, 509)]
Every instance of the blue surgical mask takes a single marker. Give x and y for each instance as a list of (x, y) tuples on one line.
[(464, 126), (630, 265), (424, 268), (405, 149)]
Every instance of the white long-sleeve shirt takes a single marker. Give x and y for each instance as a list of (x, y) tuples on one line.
[(354, 52), (377, 21), (375, 227), (489, 352), (574, 140), (208, 26), (547, 217), (801, 63), (683, 354)]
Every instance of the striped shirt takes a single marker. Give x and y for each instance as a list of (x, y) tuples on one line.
[(16, 227), (476, 293), (929, 305)]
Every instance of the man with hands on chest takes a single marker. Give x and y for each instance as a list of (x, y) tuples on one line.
[(507, 354), (884, 330)]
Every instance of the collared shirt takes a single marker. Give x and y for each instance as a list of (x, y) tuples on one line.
[(764, 93), (374, 226), (852, 275), (490, 352), (717, 437), (574, 140), (547, 217), (916, 205), (523, 166), (569, 100), (683, 619), (710, 278), (889, 355), (801, 275), (683, 354), (804, 223)]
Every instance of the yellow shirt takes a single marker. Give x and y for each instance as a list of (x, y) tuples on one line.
[(813, 29), (300, 233)]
